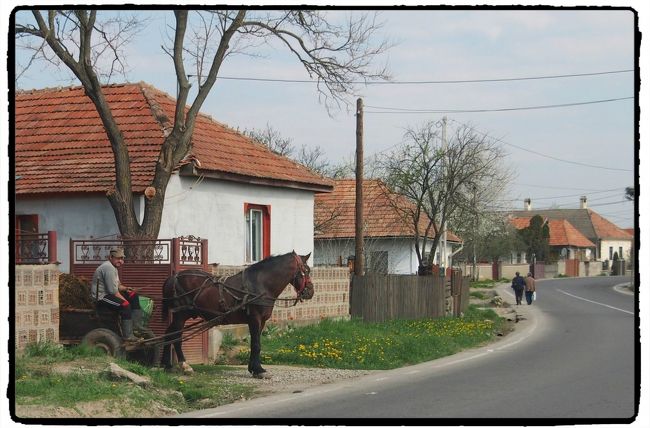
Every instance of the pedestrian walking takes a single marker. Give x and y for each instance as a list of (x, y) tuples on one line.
[(530, 288), (518, 285)]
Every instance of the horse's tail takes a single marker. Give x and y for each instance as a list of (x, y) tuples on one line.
[(167, 294)]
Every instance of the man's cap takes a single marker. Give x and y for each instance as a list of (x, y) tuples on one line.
[(117, 252)]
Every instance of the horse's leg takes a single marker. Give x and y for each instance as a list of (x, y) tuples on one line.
[(255, 329), (167, 348), (174, 333), (178, 345)]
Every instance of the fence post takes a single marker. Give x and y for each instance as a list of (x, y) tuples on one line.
[(204, 254), (51, 246), (175, 255)]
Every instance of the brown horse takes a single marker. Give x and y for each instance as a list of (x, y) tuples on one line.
[(245, 298)]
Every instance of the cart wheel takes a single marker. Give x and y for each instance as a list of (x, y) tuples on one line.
[(106, 340), (149, 354)]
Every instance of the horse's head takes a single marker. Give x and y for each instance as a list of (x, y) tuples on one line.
[(301, 280)]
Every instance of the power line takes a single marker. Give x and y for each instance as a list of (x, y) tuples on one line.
[(397, 110), (553, 187), (499, 140), (576, 194), (430, 82)]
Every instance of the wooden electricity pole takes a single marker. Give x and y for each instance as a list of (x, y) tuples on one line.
[(358, 204)]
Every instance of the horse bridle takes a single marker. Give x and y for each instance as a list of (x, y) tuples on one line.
[(301, 279)]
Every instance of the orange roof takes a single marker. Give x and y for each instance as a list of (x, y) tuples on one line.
[(383, 212), (561, 232), (61, 145), (606, 229)]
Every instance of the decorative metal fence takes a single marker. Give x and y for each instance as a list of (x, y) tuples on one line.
[(35, 248)]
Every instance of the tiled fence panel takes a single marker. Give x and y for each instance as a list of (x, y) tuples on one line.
[(331, 295), (36, 295)]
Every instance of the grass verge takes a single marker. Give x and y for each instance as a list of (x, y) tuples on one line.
[(353, 344), (50, 375)]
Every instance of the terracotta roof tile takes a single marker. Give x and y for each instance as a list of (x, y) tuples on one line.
[(61, 145), (606, 229), (383, 216), (561, 232)]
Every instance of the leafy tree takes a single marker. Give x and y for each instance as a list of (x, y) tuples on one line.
[(536, 237), (334, 55)]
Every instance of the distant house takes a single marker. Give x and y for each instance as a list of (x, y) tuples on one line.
[(246, 200), (605, 235), (565, 241), (389, 236)]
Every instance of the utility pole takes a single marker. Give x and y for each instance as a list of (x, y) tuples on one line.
[(474, 272), (358, 203), (443, 226)]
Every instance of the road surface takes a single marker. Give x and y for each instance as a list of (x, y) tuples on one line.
[(571, 358)]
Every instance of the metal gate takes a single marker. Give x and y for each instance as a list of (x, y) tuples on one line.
[(146, 266)]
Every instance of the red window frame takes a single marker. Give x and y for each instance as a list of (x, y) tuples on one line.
[(266, 226)]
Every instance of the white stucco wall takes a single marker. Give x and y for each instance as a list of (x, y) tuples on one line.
[(401, 254), (209, 209), (214, 210), (77, 217), (606, 243)]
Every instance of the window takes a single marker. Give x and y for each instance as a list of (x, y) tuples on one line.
[(27, 247), (611, 253), (258, 232), (378, 262), (620, 252)]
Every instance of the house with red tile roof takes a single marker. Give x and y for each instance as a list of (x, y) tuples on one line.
[(246, 200), (605, 235), (565, 241), (389, 233)]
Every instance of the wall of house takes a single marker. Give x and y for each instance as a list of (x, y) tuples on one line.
[(214, 210), (73, 217), (328, 252), (209, 209), (402, 258), (606, 243)]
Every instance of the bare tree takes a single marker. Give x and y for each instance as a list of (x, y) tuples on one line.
[(442, 181), (333, 55), (272, 139)]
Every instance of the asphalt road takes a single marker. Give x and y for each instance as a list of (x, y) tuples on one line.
[(571, 358)]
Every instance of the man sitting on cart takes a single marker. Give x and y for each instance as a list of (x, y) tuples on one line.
[(109, 292)]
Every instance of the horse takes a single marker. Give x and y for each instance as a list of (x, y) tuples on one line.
[(245, 298)]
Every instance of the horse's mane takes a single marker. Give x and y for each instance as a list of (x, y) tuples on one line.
[(264, 263)]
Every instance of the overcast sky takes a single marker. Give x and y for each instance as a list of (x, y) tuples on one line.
[(557, 153)]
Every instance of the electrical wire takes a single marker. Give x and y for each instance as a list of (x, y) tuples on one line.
[(397, 110), (499, 140), (430, 82)]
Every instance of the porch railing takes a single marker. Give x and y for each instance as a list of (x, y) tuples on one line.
[(36, 248), (185, 251)]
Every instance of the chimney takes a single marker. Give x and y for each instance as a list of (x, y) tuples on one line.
[(583, 202), (527, 206)]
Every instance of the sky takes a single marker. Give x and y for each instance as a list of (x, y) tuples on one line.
[(556, 153)]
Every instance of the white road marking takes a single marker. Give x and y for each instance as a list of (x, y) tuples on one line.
[(379, 379), (594, 302)]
